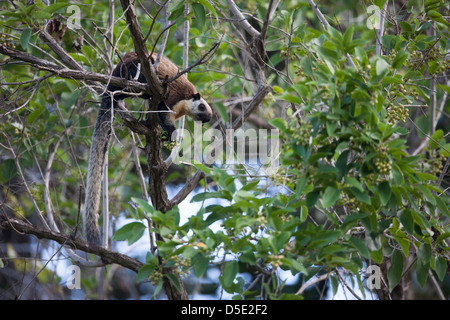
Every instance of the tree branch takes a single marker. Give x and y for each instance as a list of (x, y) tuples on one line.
[(154, 85), (60, 52), (63, 72), (108, 256), (241, 20)]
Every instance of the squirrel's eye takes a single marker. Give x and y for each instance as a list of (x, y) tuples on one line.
[(201, 107)]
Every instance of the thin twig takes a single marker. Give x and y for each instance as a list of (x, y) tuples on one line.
[(381, 28), (436, 285), (27, 189), (313, 281), (325, 25), (204, 59), (347, 286)]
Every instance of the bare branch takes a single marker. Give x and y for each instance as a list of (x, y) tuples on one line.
[(241, 20), (267, 21), (313, 281), (72, 74), (381, 28), (319, 14), (62, 54), (107, 256)]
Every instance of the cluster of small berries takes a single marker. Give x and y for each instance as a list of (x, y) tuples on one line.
[(7, 42), (436, 163), (415, 60), (301, 135), (384, 166), (397, 112), (275, 260)]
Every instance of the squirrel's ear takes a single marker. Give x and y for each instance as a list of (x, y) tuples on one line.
[(196, 96)]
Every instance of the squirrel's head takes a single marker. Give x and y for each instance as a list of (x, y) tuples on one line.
[(199, 109)]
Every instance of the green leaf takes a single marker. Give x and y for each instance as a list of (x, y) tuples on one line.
[(38, 110), (278, 123), (395, 271), (288, 296), (377, 256), (348, 36), (41, 15), (158, 288), (212, 195), (301, 89), (277, 89), (303, 213), (426, 192), (441, 268), (175, 281), (389, 41), (278, 240), (206, 4), (144, 205), (384, 191), (223, 112), (175, 5), (390, 80), (360, 195), (330, 196), (200, 15), (354, 183), (435, 139), (202, 168), (404, 243), (328, 54), (8, 170), (68, 99), (25, 38), (381, 67), (442, 205), (132, 232), (144, 272), (422, 272), (341, 164), (306, 64), (229, 273), (291, 98), (360, 245), (407, 220), (300, 186), (406, 26), (200, 265), (436, 16), (55, 7), (424, 253)]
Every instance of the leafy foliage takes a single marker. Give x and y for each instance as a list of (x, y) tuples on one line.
[(354, 188)]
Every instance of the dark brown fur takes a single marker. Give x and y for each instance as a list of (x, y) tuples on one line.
[(180, 89)]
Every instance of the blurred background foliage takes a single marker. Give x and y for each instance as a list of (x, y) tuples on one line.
[(364, 146)]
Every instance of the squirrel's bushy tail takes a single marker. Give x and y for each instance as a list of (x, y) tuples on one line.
[(99, 148)]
